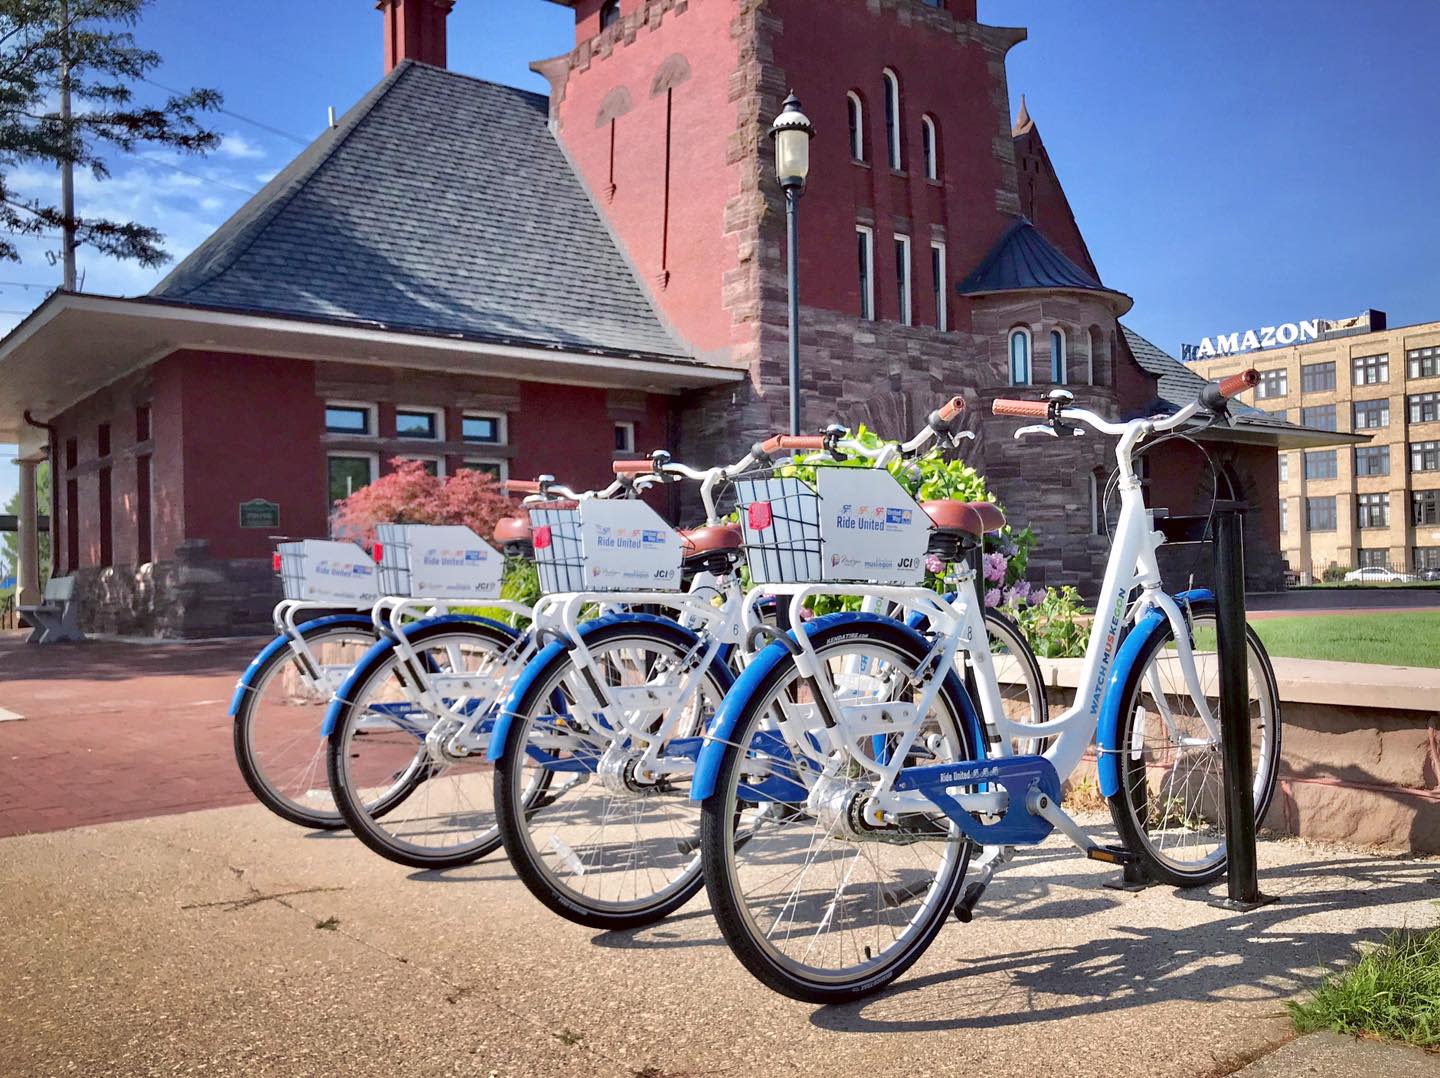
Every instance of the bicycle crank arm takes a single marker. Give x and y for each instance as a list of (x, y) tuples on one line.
[(1048, 808)]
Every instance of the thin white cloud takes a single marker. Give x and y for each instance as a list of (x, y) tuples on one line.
[(237, 146)]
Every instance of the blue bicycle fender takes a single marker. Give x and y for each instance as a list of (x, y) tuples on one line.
[(540, 663), (1107, 733), (383, 647), (247, 679), (722, 729)]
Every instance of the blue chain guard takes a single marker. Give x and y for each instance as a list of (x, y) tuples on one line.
[(1017, 774)]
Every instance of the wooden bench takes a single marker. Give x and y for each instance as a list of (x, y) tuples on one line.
[(56, 617)]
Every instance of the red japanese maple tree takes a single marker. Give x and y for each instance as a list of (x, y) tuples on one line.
[(411, 495)]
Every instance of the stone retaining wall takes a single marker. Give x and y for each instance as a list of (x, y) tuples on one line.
[(1359, 752)]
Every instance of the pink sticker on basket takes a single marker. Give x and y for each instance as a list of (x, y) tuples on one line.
[(540, 537), (760, 515)]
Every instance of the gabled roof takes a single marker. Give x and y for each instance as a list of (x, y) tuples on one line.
[(1022, 258), (440, 204)]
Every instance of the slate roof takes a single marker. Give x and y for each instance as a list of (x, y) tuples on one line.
[(440, 204), (1023, 258)]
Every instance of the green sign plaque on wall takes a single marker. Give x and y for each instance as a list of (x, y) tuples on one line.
[(258, 513)]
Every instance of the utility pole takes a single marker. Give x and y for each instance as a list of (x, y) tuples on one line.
[(67, 166)]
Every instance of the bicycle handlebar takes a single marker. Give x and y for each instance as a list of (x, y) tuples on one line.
[(951, 408), (1021, 409), (806, 442)]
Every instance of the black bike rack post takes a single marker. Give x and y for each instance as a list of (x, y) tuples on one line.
[(1241, 878)]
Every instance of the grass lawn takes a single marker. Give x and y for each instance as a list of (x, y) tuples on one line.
[(1393, 992), (1401, 638)]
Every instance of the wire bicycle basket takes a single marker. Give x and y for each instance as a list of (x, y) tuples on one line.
[(327, 570), (780, 521), (555, 535), (436, 560)]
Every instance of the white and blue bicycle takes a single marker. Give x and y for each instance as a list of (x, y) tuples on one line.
[(851, 782)]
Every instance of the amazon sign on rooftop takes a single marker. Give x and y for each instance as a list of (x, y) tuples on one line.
[(1282, 335)]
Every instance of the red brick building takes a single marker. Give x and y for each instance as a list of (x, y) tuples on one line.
[(477, 276)]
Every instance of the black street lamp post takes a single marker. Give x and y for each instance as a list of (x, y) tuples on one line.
[(792, 132)]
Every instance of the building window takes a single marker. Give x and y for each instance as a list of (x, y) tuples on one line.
[(1424, 407), (349, 472), (1320, 514), (1370, 370), (1371, 415), (892, 119), (1059, 361), (930, 141), (1425, 507), (902, 278), (425, 424), (434, 466), (938, 277), (1284, 467), (1426, 557), (624, 437), (356, 419), (481, 429), (1020, 357), (1317, 377), (865, 238), (1272, 384), (142, 423), (1425, 456), (1282, 414), (1372, 559), (1321, 464), (102, 443), (1321, 417), (1422, 362), (1284, 515), (1373, 510), (499, 469), (857, 126), (609, 14), (1372, 460)]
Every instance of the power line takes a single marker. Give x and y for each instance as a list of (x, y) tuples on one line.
[(261, 124), (196, 175)]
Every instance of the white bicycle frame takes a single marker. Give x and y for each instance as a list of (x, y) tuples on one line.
[(960, 626), (330, 676)]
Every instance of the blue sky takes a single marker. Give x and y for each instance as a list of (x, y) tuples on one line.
[(1231, 163)]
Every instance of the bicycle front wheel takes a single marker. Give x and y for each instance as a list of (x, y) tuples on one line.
[(1171, 805), (395, 776), (277, 731), (817, 904)]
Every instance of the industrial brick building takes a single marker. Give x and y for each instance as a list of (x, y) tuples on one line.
[(1375, 503), (479, 276)]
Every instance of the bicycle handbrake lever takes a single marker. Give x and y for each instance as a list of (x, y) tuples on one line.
[(1037, 428)]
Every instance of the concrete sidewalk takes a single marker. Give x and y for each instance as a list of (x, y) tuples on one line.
[(230, 942)]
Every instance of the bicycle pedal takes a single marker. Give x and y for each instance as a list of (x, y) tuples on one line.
[(965, 908), (1111, 855), (686, 846)]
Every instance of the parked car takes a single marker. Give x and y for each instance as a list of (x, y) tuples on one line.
[(1374, 574), (1431, 574)]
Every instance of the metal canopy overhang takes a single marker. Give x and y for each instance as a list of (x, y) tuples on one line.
[(1287, 436), (74, 345)]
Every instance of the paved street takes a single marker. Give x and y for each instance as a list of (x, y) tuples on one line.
[(230, 942)]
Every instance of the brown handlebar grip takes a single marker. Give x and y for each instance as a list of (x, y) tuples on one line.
[(633, 467), (521, 486), (810, 442), (1024, 409), (953, 407), (1239, 383)]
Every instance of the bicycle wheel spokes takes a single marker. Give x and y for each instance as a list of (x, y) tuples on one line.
[(282, 739), (825, 898), (603, 841), (398, 767)]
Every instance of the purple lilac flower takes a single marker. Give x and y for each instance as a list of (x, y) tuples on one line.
[(1037, 596), (1018, 594), (995, 567), (934, 563), (1008, 547), (992, 597)]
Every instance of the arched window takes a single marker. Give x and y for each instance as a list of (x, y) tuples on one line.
[(1059, 361), (892, 119), (1097, 357), (1096, 510), (857, 126), (1020, 357), (609, 14), (930, 140)]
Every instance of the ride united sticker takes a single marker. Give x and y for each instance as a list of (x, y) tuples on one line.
[(870, 528)]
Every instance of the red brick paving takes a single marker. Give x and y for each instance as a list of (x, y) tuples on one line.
[(116, 731)]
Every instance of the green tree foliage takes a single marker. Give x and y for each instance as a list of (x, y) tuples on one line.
[(10, 542), (36, 39)]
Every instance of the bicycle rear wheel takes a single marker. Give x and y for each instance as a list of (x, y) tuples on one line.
[(277, 731), (815, 904), (401, 792), (1171, 805)]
